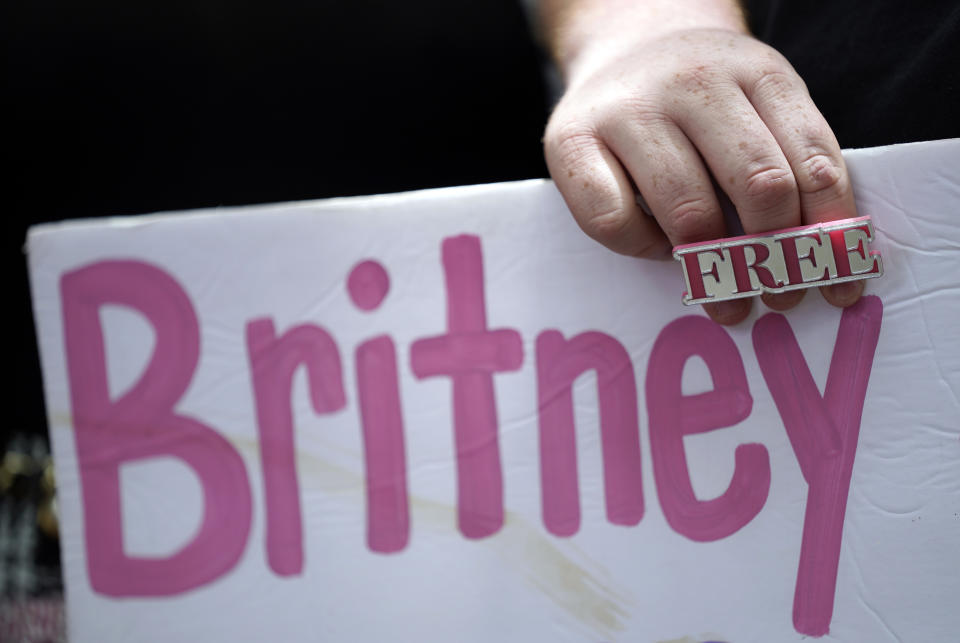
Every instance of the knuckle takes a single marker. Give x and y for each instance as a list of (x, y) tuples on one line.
[(608, 226), (774, 80), (568, 143), (769, 187), (687, 220), (820, 172)]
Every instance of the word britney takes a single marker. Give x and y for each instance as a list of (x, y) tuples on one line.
[(143, 423), (814, 255)]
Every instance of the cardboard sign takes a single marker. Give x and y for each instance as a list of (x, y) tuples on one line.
[(450, 416)]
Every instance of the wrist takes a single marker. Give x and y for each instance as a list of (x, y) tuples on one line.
[(585, 34)]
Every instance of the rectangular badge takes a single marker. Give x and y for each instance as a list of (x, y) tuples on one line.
[(779, 260)]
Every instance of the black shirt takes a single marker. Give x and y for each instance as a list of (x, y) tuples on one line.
[(131, 107), (881, 71)]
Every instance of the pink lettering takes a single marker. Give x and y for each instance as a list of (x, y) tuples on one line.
[(559, 363), (273, 361), (141, 424), (823, 432), (388, 517), (674, 415), (368, 284), (469, 354), (388, 520)]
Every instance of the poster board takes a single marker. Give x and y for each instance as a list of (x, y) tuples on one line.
[(449, 416)]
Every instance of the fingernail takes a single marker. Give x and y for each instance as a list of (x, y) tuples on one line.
[(783, 300), (843, 294), (728, 312)]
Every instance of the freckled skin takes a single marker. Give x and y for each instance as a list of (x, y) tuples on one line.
[(662, 107)]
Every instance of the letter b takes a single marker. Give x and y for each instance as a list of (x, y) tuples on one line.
[(141, 423)]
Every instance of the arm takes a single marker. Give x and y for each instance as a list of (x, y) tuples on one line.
[(677, 99)]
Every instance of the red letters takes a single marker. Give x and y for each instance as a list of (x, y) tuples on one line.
[(776, 263), (788, 245), (741, 268), (842, 251), (695, 274)]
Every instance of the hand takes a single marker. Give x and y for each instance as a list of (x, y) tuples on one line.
[(680, 116)]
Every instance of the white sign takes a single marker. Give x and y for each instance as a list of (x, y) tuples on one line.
[(450, 416)]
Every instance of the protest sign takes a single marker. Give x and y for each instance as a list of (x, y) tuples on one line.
[(450, 416)]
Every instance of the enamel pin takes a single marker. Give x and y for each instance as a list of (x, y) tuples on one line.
[(777, 261)]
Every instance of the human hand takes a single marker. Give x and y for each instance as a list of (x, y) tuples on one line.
[(679, 116)]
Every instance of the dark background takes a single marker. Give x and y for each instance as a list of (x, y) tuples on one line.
[(117, 108)]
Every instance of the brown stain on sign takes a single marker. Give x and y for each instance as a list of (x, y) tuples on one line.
[(583, 590), (585, 594)]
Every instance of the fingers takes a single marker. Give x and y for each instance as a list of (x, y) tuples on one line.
[(782, 167), (600, 195), (843, 294), (814, 156), (745, 158), (668, 172), (811, 149), (698, 114), (664, 156), (784, 300), (730, 312), (753, 171), (676, 186)]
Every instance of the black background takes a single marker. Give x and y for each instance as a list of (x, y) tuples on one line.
[(125, 108), (116, 108)]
